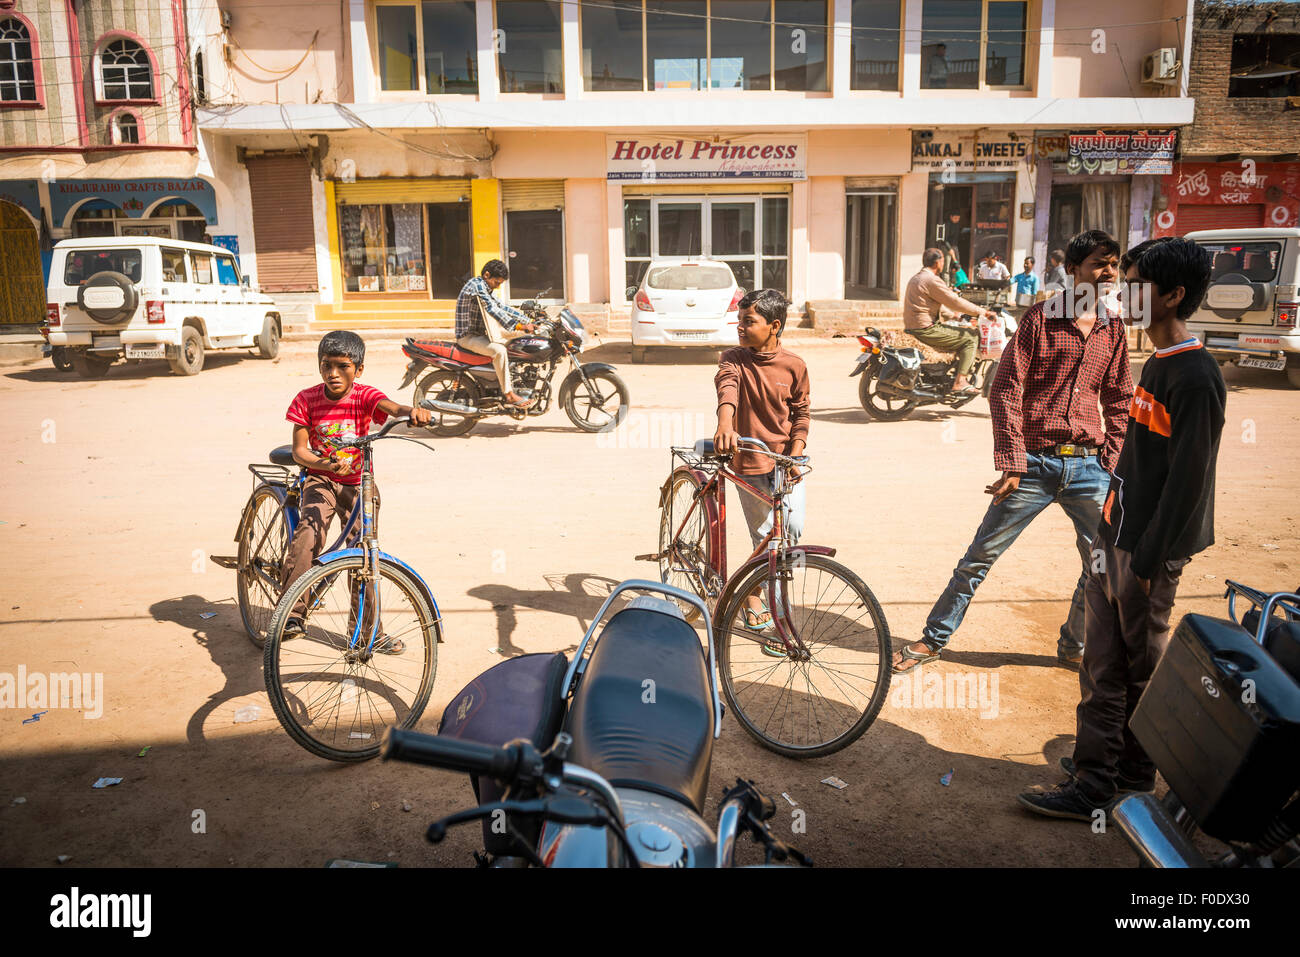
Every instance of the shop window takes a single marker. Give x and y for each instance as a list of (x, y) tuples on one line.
[(612, 57), (876, 25), (1265, 64), (740, 52), (636, 239), (126, 129), (125, 72), (676, 44), (969, 44), (530, 48), (429, 47), (799, 45), (17, 67), (399, 50), (96, 219), (382, 248)]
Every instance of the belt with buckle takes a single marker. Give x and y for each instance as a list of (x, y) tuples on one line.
[(1080, 451)]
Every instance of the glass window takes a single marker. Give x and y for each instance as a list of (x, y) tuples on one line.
[(174, 266), (128, 130), (17, 75), (1256, 261), (398, 47), (1004, 58), (1263, 64), (740, 54), (84, 263), (776, 226), (125, 72), (227, 271), (382, 248), (774, 276), (992, 229), (691, 276), (450, 35), (636, 239), (202, 267), (681, 229), (611, 46), (875, 44), (733, 228), (799, 44), (530, 49), (676, 43)]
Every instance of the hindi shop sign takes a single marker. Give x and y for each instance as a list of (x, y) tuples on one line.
[(1123, 152), (645, 159), (968, 153)]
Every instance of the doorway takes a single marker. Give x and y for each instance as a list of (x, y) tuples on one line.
[(22, 282), (970, 218), (870, 250), (535, 253), (450, 253)]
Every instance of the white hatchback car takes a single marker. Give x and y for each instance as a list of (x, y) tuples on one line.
[(139, 297), (685, 303)]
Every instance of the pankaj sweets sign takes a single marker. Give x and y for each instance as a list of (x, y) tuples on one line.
[(644, 159)]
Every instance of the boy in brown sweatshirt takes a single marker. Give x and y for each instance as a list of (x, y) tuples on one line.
[(763, 394)]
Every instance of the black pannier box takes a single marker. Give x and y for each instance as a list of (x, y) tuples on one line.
[(1221, 720)]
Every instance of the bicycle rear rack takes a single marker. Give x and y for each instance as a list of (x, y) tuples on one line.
[(272, 474)]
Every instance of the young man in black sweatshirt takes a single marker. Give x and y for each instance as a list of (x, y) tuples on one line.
[(1158, 513)]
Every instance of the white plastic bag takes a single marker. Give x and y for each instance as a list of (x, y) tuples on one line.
[(993, 336)]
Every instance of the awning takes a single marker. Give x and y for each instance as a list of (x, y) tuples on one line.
[(24, 193), (135, 197)]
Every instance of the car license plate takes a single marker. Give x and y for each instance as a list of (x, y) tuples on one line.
[(146, 350), (697, 335), (1254, 362)]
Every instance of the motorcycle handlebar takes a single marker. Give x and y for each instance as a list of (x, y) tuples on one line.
[(451, 754)]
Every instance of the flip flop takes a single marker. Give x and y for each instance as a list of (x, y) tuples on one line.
[(910, 655)]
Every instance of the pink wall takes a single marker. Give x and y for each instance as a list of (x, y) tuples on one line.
[(269, 38), (1078, 71), (585, 239), (548, 155), (826, 208), (859, 152)]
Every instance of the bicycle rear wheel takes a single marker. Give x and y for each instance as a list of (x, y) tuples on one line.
[(262, 545), (333, 693), (813, 707), (685, 555)]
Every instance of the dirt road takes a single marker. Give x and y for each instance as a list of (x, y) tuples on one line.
[(118, 491)]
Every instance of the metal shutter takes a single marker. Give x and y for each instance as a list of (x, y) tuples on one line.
[(524, 194), (428, 190), (1189, 217), (283, 226)]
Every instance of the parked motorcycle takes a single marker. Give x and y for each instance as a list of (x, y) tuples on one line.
[(462, 387), (895, 380), (1220, 718), (56, 354), (628, 733)]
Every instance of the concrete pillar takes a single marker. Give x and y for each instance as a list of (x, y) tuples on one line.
[(841, 48), (1046, 45), (913, 194), (912, 49), (363, 70), (572, 52), (799, 217), (487, 53)]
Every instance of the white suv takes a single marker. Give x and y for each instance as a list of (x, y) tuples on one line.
[(1249, 312), (147, 298)]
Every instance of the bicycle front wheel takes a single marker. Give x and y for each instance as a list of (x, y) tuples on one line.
[(805, 706), (367, 660), (262, 546), (685, 559)]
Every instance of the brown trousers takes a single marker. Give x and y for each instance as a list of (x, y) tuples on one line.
[(1126, 631), (321, 500)]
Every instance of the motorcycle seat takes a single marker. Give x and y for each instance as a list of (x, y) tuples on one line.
[(654, 737), (282, 456), (435, 348)]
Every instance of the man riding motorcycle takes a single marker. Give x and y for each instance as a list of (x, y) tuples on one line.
[(926, 296), (474, 303)]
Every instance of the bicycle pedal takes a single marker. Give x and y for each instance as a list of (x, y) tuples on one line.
[(649, 557), (225, 561)]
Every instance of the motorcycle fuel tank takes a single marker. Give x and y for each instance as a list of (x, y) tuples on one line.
[(530, 348)]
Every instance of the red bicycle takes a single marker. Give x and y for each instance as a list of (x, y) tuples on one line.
[(803, 646)]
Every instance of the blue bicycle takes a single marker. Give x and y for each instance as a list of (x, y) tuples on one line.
[(368, 652)]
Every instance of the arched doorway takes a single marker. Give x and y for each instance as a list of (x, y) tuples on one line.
[(22, 283)]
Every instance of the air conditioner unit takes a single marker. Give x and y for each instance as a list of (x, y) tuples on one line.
[(1160, 66)]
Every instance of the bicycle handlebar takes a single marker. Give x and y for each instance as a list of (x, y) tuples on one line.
[(452, 754), (759, 447)]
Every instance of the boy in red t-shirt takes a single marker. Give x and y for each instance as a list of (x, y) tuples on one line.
[(340, 409)]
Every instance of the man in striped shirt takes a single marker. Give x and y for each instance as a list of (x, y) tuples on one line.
[(474, 303)]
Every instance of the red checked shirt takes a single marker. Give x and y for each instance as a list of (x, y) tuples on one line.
[(1054, 387), (340, 419)]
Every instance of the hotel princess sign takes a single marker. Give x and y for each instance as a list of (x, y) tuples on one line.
[(648, 159)]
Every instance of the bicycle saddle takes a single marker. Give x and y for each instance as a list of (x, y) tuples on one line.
[(282, 456)]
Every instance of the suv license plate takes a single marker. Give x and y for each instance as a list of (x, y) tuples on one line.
[(1254, 362), (147, 350), (692, 334)]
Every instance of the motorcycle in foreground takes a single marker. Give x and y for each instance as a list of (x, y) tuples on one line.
[(628, 732), (1220, 718), (895, 380), (462, 386)]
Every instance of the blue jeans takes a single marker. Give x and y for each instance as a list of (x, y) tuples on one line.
[(758, 514), (1080, 485)]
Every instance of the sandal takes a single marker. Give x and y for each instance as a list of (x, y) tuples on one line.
[(760, 623), (390, 646), (968, 390), (910, 655)]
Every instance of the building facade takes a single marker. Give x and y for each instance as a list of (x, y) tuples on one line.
[(97, 134), (1239, 162)]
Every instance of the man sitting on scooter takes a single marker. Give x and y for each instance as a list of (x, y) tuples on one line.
[(926, 297), (476, 301)]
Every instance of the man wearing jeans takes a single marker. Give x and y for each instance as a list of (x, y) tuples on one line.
[(1060, 406), (472, 306)]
